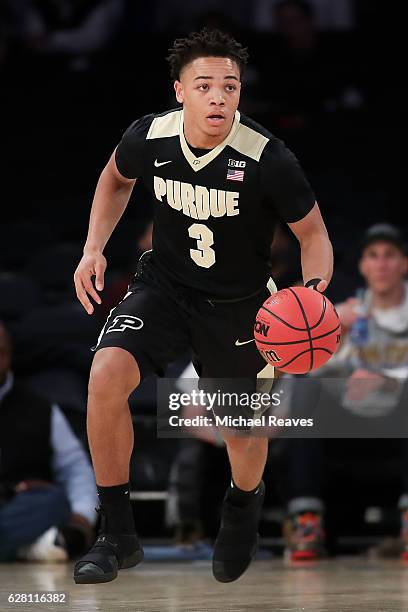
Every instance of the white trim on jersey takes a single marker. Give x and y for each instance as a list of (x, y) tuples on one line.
[(166, 126), (249, 142), (243, 139), (265, 378)]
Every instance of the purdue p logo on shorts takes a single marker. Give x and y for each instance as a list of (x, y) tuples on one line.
[(122, 322)]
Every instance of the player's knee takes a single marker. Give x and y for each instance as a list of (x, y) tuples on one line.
[(114, 373)]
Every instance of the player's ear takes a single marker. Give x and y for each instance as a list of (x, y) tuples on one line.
[(178, 88)]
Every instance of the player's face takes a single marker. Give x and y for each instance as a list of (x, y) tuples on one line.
[(383, 266), (209, 89)]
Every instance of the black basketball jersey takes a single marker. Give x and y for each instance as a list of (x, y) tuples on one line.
[(214, 214)]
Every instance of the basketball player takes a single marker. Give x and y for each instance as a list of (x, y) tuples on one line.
[(219, 182)]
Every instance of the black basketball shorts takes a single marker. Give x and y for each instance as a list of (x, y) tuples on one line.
[(157, 323)]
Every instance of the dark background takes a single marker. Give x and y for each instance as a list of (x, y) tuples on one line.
[(338, 104), (340, 108)]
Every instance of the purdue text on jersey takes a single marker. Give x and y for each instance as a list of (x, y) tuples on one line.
[(197, 201)]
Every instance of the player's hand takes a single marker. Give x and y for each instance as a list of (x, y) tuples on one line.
[(320, 286), (348, 312), (91, 264)]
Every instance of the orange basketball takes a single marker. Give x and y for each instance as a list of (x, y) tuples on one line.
[(297, 330)]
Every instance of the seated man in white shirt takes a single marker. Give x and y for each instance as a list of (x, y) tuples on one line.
[(372, 361), (47, 487)]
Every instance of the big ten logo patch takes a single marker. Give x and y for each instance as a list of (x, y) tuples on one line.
[(122, 322), (234, 163)]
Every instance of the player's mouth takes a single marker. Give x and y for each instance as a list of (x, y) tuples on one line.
[(215, 119)]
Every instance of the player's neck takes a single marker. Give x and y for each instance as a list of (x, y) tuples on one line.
[(198, 139)]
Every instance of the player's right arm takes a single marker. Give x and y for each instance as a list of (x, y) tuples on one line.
[(111, 198)]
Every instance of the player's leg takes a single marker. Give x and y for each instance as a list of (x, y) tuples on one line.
[(247, 457), (142, 334), (114, 375), (222, 357), (237, 539)]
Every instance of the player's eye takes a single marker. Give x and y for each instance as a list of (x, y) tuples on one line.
[(231, 87), (203, 87)]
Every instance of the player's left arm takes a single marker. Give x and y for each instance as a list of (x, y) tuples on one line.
[(288, 191), (315, 246)]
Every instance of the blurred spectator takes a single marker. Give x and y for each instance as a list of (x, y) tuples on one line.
[(184, 510), (74, 28), (375, 324), (53, 352), (47, 487), (330, 15), (120, 283), (181, 17), (373, 360), (311, 71)]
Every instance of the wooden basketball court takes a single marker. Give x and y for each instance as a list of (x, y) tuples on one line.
[(338, 585)]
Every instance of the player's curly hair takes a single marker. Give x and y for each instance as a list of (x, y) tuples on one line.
[(206, 43)]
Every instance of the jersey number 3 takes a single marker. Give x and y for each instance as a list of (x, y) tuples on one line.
[(203, 255)]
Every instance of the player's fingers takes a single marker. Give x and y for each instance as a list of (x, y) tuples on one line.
[(82, 296), (90, 289), (322, 286), (99, 280)]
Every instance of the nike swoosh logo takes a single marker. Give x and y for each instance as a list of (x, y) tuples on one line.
[(158, 164), (239, 343)]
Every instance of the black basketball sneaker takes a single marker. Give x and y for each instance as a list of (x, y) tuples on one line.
[(237, 539), (110, 553)]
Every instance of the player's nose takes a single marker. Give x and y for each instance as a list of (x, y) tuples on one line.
[(217, 99)]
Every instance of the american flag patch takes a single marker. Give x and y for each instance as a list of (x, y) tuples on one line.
[(235, 175)]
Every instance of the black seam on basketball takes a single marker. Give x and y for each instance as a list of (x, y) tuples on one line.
[(300, 341), (283, 365), (283, 320), (293, 326), (307, 325), (322, 315)]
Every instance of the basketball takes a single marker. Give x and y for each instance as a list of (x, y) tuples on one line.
[(297, 330)]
